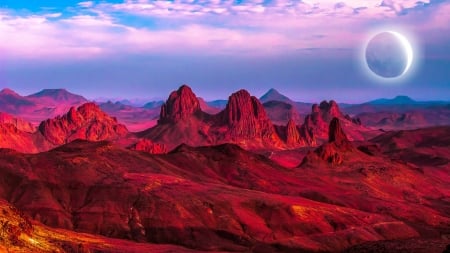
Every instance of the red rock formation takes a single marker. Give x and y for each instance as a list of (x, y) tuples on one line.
[(87, 122), (330, 110), (148, 146), (321, 115), (336, 134), (13, 138), (180, 105), (20, 124), (243, 121), (315, 124), (292, 133), (331, 152), (246, 119)]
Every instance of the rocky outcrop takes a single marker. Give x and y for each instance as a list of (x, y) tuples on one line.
[(292, 133), (321, 115), (148, 146), (246, 119), (180, 105), (336, 135), (88, 122), (330, 110), (18, 123), (332, 151)]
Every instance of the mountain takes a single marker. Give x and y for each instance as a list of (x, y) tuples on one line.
[(247, 120), (37, 107), (13, 103), (58, 96), (280, 112), (87, 122), (398, 100), (153, 104), (181, 105), (399, 104), (219, 104), (134, 118), (274, 95), (243, 121)]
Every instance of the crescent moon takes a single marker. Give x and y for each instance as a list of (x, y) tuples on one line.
[(408, 50)]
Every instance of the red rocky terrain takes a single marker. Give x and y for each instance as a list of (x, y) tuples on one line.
[(245, 122), (231, 182), (224, 198), (87, 122)]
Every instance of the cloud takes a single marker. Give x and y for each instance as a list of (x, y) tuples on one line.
[(252, 28), (86, 4)]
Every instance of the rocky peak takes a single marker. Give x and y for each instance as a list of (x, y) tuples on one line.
[(241, 107), (88, 122), (246, 118), (330, 109), (274, 95), (180, 105), (336, 134)]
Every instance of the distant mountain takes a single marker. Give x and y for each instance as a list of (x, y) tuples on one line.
[(206, 107), (113, 106), (399, 104), (274, 95), (153, 104), (398, 100), (220, 103), (58, 96), (281, 112)]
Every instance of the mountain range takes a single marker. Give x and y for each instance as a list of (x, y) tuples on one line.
[(247, 176)]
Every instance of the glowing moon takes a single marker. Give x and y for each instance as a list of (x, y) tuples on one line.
[(389, 54)]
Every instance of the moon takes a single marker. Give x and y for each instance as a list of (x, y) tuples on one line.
[(389, 54)]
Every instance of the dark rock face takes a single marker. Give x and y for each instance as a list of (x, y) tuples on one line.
[(180, 105), (88, 122)]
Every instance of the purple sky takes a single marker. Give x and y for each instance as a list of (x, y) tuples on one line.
[(309, 50)]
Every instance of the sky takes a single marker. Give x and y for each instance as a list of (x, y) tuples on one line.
[(309, 50)]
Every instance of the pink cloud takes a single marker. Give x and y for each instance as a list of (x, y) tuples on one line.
[(249, 29)]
